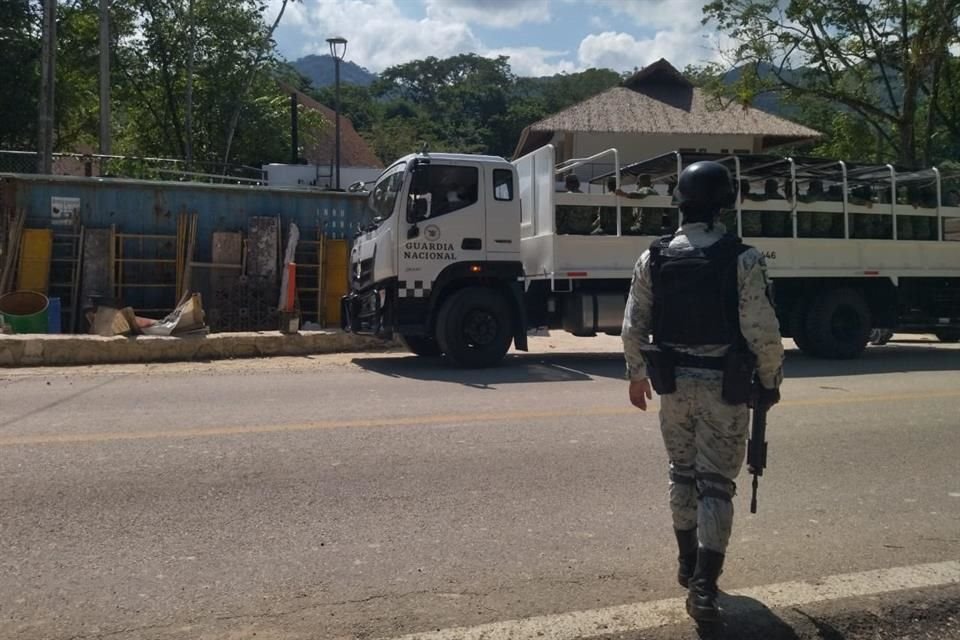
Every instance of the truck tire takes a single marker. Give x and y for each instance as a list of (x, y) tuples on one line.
[(838, 324), (423, 346), (474, 327), (947, 335)]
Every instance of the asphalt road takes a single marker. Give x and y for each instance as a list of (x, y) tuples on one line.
[(376, 495)]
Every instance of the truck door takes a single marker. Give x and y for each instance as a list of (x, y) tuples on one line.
[(503, 214), (447, 227)]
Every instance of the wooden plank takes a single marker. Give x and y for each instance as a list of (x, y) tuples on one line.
[(97, 270), (186, 283), (264, 248), (75, 285), (12, 251)]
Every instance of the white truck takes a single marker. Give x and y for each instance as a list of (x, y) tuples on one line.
[(464, 254)]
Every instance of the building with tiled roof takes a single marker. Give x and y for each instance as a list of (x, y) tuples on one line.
[(354, 150), (358, 162)]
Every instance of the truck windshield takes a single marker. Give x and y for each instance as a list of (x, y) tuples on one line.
[(383, 198)]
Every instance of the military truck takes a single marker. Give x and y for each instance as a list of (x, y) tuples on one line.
[(462, 255)]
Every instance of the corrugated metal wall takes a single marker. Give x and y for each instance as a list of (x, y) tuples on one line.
[(143, 207), (151, 207)]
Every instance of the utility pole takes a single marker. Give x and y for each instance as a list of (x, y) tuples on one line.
[(48, 61), (105, 77), (338, 49), (191, 53)]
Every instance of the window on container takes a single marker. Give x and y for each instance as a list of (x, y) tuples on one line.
[(503, 184)]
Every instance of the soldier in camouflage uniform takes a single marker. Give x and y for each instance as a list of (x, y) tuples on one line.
[(574, 219), (705, 436)]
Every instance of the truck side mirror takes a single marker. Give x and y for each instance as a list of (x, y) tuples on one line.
[(419, 209)]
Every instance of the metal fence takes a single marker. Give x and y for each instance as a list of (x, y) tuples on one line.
[(134, 167)]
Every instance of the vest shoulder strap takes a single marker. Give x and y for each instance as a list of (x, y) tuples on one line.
[(659, 245), (729, 245)]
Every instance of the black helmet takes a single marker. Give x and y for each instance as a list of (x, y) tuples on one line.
[(705, 186)]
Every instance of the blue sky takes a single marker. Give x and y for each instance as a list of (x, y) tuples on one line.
[(541, 37)]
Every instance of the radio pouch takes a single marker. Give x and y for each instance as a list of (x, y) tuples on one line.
[(662, 369), (738, 369)]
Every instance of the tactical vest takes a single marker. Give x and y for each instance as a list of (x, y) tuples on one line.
[(696, 293)]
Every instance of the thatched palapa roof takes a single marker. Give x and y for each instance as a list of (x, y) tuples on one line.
[(659, 100)]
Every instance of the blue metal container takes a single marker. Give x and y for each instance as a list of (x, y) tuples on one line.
[(153, 207)]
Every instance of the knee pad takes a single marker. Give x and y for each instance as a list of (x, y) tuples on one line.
[(714, 485), (682, 474)]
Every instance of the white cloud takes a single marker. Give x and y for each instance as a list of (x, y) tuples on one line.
[(491, 13), (378, 33), (383, 33), (534, 61), (622, 52), (658, 14), (292, 15)]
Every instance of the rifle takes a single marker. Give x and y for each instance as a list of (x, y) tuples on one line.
[(757, 447)]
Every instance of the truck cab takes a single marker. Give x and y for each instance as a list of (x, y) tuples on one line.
[(438, 261)]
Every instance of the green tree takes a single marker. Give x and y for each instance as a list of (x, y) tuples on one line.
[(356, 103), (453, 101), (235, 101), (562, 90), (881, 60), (19, 73)]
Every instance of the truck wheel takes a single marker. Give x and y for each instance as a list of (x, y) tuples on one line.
[(838, 324), (423, 346), (474, 328), (947, 335)]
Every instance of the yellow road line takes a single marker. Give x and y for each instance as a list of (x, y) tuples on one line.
[(424, 420), (312, 426)]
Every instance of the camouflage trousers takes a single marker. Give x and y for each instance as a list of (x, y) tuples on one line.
[(706, 441)]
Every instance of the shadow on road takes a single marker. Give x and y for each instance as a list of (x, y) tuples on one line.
[(570, 367), (516, 368), (746, 619), (891, 358)]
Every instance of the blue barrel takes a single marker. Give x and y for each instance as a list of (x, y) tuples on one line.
[(53, 316)]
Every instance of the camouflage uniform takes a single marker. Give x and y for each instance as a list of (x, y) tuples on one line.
[(705, 437), (575, 219)]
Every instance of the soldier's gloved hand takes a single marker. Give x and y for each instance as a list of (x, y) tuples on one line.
[(765, 397)]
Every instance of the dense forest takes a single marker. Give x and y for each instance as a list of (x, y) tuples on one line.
[(201, 80)]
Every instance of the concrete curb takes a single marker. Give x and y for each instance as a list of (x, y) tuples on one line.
[(68, 350)]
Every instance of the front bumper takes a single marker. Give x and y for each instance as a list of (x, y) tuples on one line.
[(366, 313)]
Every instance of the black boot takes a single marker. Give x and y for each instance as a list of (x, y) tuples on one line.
[(702, 599), (687, 544)]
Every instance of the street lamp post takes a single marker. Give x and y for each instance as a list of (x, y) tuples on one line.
[(338, 48)]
